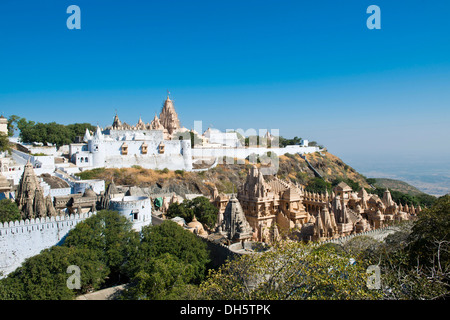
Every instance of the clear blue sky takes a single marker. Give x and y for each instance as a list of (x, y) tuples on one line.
[(308, 68)]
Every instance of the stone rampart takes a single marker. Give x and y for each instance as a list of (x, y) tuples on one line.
[(242, 153), (22, 239)]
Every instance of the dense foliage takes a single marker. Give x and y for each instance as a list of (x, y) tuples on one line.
[(430, 236), (404, 198), (111, 236), (200, 207), (169, 261), (318, 185), (283, 142), (52, 132), (290, 271), (4, 142), (9, 211), (44, 276), (414, 261)]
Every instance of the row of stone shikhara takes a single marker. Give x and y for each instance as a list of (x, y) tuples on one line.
[(344, 238), (34, 221)]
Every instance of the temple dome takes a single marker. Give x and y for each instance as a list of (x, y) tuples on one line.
[(89, 193), (196, 225)]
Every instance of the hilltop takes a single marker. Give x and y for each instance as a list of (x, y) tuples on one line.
[(227, 177)]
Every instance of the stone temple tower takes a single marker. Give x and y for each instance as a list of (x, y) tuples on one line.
[(234, 225), (168, 117), (30, 196)]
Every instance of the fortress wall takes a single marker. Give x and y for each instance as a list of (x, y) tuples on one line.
[(20, 240), (47, 162), (80, 186), (242, 153), (219, 253), (134, 147), (160, 161)]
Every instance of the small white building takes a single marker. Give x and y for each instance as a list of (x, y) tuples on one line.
[(138, 209), (228, 139)]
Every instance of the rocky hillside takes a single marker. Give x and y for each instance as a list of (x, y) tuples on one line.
[(227, 177), (397, 185)]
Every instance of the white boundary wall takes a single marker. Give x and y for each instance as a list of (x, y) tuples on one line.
[(23, 239)]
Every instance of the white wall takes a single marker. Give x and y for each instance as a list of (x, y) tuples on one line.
[(242, 153), (23, 239), (50, 151), (80, 186), (131, 206)]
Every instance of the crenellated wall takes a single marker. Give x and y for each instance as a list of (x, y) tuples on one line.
[(25, 238)]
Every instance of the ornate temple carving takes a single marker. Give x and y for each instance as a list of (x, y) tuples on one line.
[(30, 197), (169, 118), (234, 226), (272, 205)]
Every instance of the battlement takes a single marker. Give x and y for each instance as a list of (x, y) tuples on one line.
[(39, 224), (22, 239)]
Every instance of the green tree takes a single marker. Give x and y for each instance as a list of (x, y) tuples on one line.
[(318, 185), (430, 236), (414, 261), (9, 211), (52, 132), (111, 236), (363, 247), (160, 278), (283, 142), (204, 211), (180, 210), (12, 124), (44, 276), (79, 129), (170, 238), (4, 142)]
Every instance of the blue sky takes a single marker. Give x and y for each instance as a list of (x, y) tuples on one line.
[(308, 68)]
